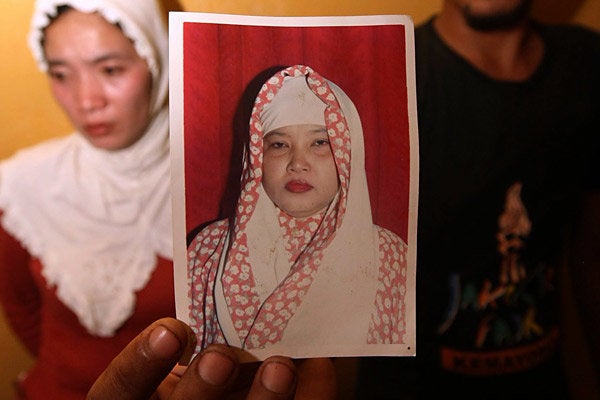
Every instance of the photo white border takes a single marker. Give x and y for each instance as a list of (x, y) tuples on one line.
[(176, 86)]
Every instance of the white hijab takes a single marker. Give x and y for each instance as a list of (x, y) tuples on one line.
[(97, 219)]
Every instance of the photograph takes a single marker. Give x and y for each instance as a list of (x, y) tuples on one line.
[(294, 151)]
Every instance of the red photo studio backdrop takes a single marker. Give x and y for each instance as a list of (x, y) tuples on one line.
[(225, 65)]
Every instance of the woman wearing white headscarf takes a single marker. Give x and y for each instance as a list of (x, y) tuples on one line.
[(271, 282), (85, 244)]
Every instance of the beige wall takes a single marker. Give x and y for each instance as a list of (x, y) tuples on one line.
[(28, 114)]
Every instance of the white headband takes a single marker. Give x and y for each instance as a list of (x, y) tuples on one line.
[(294, 104)]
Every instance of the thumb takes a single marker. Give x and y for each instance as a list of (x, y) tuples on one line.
[(136, 372)]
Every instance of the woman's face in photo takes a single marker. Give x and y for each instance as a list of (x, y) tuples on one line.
[(299, 173), (98, 78)]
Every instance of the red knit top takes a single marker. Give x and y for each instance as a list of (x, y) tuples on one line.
[(68, 358)]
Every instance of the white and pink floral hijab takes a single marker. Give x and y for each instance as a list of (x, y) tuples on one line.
[(282, 281)]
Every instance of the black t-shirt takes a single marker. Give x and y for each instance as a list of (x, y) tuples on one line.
[(501, 167)]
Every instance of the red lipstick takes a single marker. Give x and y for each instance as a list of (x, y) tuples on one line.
[(96, 129), (298, 186)]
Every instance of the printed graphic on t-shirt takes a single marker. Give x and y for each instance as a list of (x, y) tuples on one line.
[(494, 323)]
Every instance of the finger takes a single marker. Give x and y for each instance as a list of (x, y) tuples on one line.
[(209, 376), (167, 386), (138, 370), (275, 379), (316, 379)]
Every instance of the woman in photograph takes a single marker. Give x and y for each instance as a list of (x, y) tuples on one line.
[(300, 265)]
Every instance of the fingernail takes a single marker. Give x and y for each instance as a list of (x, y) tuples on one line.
[(163, 342), (277, 377), (215, 368)]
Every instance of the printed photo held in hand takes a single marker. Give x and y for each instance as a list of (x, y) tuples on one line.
[(299, 238)]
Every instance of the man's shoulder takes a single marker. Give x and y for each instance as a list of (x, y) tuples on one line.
[(424, 29), (571, 36), (574, 30)]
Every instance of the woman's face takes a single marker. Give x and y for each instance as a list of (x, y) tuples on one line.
[(98, 79), (299, 173)]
